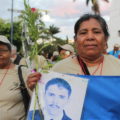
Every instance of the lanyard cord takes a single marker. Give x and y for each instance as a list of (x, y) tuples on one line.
[(83, 66), (5, 74), (85, 69)]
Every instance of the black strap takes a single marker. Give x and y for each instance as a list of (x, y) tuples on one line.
[(83, 66), (17, 60), (24, 92)]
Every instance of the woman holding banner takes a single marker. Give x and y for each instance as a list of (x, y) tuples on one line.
[(91, 36)]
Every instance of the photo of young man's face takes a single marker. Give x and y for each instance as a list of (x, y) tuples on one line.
[(56, 98)]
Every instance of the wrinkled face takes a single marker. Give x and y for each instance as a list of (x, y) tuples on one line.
[(56, 98), (5, 56), (90, 40)]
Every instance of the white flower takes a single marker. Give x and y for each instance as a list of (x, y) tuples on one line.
[(39, 41)]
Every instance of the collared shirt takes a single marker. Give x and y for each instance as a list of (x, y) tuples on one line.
[(11, 101), (111, 66), (48, 117)]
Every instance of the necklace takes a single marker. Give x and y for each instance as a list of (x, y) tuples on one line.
[(4, 75), (84, 69), (100, 65)]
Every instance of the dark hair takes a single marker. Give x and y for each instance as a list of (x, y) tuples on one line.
[(86, 17), (49, 55), (59, 49), (8, 45), (55, 58), (60, 83)]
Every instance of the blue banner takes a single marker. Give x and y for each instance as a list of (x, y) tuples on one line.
[(55, 97), (102, 101)]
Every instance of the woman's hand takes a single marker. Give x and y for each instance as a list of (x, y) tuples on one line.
[(32, 79)]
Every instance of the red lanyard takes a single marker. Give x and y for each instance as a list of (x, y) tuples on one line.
[(83, 66), (85, 69)]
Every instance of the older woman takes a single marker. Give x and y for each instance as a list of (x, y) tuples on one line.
[(91, 35), (11, 100)]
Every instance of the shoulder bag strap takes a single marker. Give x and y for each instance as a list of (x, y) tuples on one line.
[(17, 60), (24, 92)]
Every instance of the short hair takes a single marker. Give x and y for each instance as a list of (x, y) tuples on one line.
[(86, 17), (60, 82), (8, 45)]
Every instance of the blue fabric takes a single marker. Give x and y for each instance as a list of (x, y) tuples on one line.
[(102, 101), (36, 115), (116, 54)]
